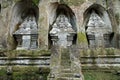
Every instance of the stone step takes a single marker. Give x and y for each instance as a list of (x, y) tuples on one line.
[(66, 64), (23, 58), (43, 61), (67, 78), (66, 70), (75, 75), (63, 78), (66, 75)]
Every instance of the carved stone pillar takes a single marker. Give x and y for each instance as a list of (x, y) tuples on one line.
[(91, 41)]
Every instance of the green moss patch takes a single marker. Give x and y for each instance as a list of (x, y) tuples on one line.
[(99, 52), (30, 73), (117, 16), (99, 75), (82, 37), (24, 73), (29, 53), (2, 71), (96, 73), (36, 2), (73, 2)]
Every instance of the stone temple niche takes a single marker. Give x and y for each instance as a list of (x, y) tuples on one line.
[(97, 31), (27, 34), (62, 32), (63, 27), (24, 26)]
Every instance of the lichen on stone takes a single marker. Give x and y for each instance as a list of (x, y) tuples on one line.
[(82, 37), (75, 3)]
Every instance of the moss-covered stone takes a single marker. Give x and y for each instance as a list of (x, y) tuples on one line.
[(30, 53), (110, 51), (24, 73), (2, 71), (82, 37), (92, 75), (72, 2), (36, 2), (117, 16), (96, 73), (99, 52)]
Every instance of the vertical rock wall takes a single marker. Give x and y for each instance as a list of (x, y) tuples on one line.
[(47, 16)]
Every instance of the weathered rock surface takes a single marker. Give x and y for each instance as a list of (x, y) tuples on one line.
[(10, 20)]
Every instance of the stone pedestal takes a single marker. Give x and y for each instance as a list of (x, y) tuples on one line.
[(62, 40), (26, 42), (26, 39)]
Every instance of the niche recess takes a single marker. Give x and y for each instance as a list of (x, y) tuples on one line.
[(0, 8), (62, 10), (20, 12), (98, 27)]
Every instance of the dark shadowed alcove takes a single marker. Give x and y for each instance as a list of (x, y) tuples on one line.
[(0, 8)]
